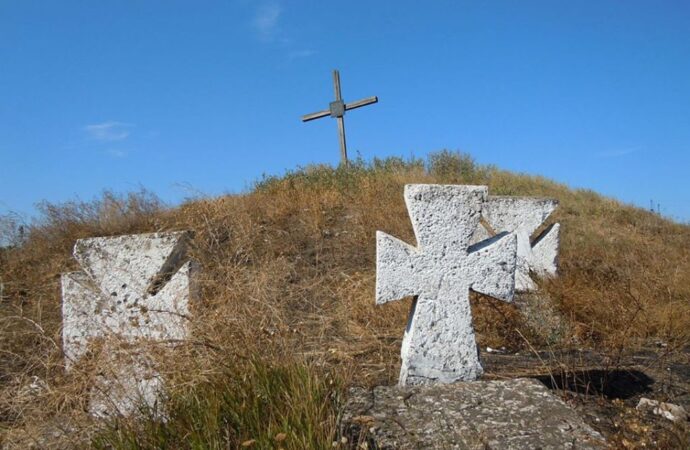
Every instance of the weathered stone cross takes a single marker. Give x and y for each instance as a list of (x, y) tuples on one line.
[(132, 290), (439, 343), (523, 216), (337, 109)]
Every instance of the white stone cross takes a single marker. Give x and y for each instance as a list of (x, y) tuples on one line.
[(439, 343), (523, 216), (132, 289)]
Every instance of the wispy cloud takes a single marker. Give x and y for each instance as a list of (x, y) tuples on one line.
[(304, 53), (266, 21), (109, 131), (617, 153), (267, 25)]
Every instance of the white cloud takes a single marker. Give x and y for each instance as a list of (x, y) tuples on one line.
[(617, 153), (267, 27), (266, 20), (109, 131)]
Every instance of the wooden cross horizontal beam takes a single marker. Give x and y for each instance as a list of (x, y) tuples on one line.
[(348, 106)]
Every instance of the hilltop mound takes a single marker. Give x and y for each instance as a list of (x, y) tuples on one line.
[(287, 317)]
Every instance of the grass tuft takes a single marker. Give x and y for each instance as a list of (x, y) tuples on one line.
[(260, 406)]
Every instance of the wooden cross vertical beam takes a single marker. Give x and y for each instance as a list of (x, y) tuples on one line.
[(336, 109), (340, 118)]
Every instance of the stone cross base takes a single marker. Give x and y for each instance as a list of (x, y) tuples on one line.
[(127, 384), (512, 414)]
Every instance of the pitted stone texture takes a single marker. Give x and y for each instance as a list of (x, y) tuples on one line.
[(132, 289), (131, 266), (128, 383), (439, 343), (511, 414), (523, 216), (88, 313)]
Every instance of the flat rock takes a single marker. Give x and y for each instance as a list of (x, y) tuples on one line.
[(513, 414)]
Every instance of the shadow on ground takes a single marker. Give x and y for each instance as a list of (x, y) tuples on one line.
[(612, 384)]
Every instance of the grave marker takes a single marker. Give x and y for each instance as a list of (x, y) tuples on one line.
[(523, 216), (132, 291), (439, 343)]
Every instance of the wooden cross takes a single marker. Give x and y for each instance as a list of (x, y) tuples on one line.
[(337, 109)]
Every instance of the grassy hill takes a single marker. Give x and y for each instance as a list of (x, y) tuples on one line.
[(286, 319)]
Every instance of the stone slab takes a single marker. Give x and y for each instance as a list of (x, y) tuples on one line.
[(511, 414)]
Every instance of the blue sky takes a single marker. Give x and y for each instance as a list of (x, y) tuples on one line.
[(189, 98)]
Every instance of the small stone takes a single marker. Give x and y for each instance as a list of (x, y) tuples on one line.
[(668, 411)]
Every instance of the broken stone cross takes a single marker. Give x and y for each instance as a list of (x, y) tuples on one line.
[(523, 216), (439, 343), (132, 290)]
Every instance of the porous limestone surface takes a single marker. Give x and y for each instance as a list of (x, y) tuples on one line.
[(439, 343), (128, 383), (523, 216), (132, 289), (510, 414)]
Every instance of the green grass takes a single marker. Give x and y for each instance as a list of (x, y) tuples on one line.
[(260, 407)]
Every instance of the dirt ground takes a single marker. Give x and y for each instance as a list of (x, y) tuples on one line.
[(606, 388)]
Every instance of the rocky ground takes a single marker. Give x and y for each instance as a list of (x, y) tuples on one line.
[(606, 389), (605, 392)]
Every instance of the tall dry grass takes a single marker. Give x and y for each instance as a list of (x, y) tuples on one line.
[(287, 310)]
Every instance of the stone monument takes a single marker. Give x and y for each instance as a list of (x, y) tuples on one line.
[(439, 343), (132, 291), (433, 406), (523, 216)]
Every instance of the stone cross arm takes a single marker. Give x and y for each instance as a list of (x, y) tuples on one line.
[(444, 218), (523, 216), (403, 270)]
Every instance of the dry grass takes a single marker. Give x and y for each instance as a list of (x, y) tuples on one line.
[(287, 290)]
